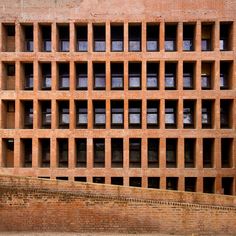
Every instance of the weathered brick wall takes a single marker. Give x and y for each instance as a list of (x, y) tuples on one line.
[(48, 205)]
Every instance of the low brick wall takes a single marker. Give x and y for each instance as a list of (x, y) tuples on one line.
[(30, 204)]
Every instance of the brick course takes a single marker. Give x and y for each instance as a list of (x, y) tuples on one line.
[(29, 204)]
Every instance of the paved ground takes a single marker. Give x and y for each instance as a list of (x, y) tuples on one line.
[(74, 234)]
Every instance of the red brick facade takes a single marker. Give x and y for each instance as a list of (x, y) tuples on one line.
[(207, 28)]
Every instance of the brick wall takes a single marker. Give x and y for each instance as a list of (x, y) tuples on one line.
[(29, 204)]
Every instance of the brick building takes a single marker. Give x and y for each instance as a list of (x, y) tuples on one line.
[(110, 92)]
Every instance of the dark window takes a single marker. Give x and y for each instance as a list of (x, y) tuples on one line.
[(170, 37), (152, 38), (206, 42), (172, 183), (82, 76), (189, 152), (62, 178), (154, 182), (99, 76), (208, 184), (188, 37), (99, 111), (225, 36), (135, 75), (152, 75), (27, 152), (170, 114), (64, 114), (225, 114), (46, 114), (135, 38), (117, 180), (99, 153), (135, 153), (99, 38), (82, 38), (28, 114), (206, 77), (46, 38), (64, 76), (135, 181), (81, 152), (117, 152), (62, 153), (152, 114), (46, 76), (207, 114), (225, 74), (117, 38), (188, 75), (190, 184), (171, 153), (29, 42), (153, 153), (80, 179), (81, 114), (64, 38), (135, 108), (208, 153), (29, 76), (170, 75), (117, 75), (226, 152), (227, 185), (189, 114), (99, 180), (117, 114), (10, 29), (10, 69), (45, 152)]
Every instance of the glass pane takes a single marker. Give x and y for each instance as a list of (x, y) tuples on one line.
[(117, 81), (134, 118), (152, 45), (29, 45), (187, 45), (206, 82), (152, 118), (205, 118), (134, 81), (65, 46), (169, 45), (47, 118), (188, 81), (152, 81), (169, 81), (47, 45), (223, 81), (29, 83), (82, 46), (117, 45), (223, 44), (100, 119), (100, 81), (65, 118), (47, 81), (117, 119), (134, 45), (64, 81), (169, 118), (206, 46), (82, 81), (100, 46), (188, 119), (82, 118)]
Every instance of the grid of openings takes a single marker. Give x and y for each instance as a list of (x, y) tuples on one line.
[(123, 103)]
